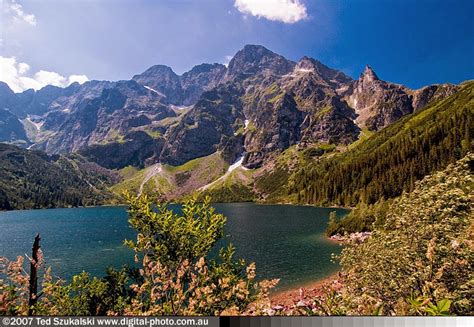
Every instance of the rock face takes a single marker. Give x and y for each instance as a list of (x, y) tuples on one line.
[(378, 103), (427, 94), (40, 102), (8, 99), (259, 105), (257, 60), (136, 150), (181, 90), (201, 78), (104, 119), (199, 133), (163, 81), (277, 127), (11, 129), (327, 118)]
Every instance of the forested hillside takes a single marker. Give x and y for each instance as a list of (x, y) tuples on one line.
[(33, 179), (393, 159)]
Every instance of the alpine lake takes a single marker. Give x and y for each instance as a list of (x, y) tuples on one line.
[(285, 241)]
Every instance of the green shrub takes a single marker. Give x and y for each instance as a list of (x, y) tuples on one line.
[(363, 218), (176, 276), (423, 252)]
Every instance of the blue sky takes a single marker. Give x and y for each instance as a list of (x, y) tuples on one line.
[(413, 42)]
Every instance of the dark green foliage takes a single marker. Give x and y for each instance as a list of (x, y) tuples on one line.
[(171, 238), (229, 193), (392, 160), (363, 218), (318, 151), (32, 179), (177, 278), (90, 296), (274, 183)]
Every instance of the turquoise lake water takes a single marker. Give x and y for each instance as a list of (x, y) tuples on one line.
[(284, 241)]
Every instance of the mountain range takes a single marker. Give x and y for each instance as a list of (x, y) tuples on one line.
[(247, 115)]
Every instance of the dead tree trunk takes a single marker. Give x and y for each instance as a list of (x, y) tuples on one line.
[(33, 284)]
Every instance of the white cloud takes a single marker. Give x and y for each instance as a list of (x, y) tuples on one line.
[(44, 77), (15, 9), (227, 59), (286, 11), (77, 78), (23, 68), (15, 75)]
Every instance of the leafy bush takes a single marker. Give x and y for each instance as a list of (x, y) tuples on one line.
[(84, 295), (423, 255), (363, 218), (176, 276)]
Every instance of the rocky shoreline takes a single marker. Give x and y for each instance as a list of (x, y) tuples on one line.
[(357, 237), (303, 297)]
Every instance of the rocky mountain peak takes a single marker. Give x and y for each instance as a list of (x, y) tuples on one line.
[(321, 73), (256, 51), (7, 96), (5, 89), (157, 70), (368, 75), (253, 59), (306, 64), (163, 80), (204, 68), (157, 75), (199, 79), (379, 103)]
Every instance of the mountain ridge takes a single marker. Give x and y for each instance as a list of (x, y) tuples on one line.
[(275, 103)]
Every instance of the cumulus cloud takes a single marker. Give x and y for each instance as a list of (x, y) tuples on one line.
[(15, 74), (23, 68), (16, 11), (77, 78), (286, 11)]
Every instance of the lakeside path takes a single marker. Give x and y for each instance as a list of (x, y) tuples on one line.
[(291, 297)]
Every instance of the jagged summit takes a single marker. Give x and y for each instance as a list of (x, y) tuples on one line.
[(368, 75), (306, 64), (311, 65), (203, 68), (163, 80), (250, 54), (5, 88), (185, 89), (155, 70), (255, 49), (260, 105), (253, 59)]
